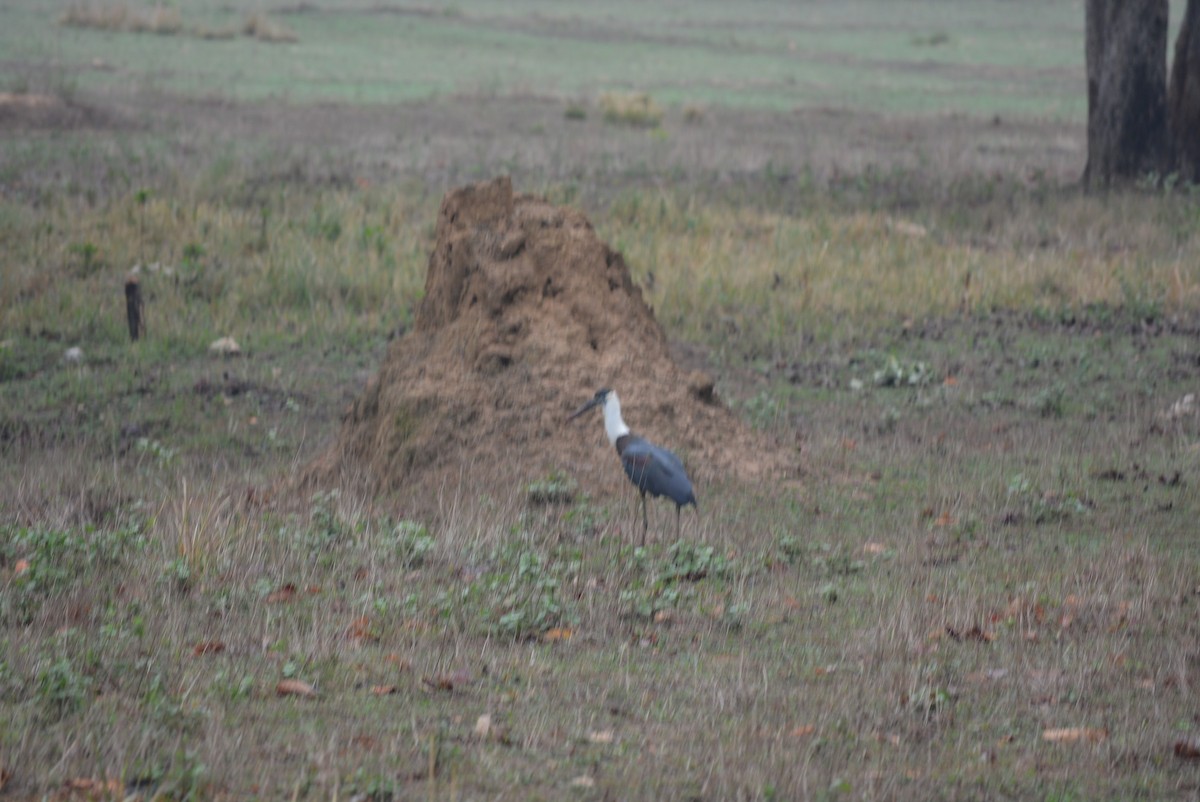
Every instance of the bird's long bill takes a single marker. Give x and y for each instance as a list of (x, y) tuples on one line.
[(592, 403)]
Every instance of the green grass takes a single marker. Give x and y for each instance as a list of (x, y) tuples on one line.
[(987, 58)]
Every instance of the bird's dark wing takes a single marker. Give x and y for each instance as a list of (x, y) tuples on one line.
[(656, 471)]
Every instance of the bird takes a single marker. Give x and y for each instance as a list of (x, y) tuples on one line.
[(652, 469)]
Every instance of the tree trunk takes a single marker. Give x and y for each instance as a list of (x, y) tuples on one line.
[(1127, 87), (1183, 98)]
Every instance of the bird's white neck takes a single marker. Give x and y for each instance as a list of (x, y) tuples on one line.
[(614, 427)]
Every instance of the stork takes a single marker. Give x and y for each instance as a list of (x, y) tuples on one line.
[(652, 469)]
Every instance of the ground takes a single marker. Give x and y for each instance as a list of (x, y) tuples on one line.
[(980, 582)]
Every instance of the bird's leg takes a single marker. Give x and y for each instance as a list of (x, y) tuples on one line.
[(645, 520), (677, 525)]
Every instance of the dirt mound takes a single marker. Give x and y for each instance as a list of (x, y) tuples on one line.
[(526, 314)]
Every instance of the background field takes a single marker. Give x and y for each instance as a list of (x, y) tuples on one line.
[(986, 57), (860, 217)]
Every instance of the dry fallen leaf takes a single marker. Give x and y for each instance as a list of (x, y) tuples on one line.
[(295, 687), (100, 789), (21, 567), (208, 647), (383, 690), (874, 548), (448, 682), (558, 633), (1068, 735), (601, 737), (974, 633), (360, 630), (583, 781), (282, 596), (944, 520), (803, 731), (1188, 748), (483, 726)]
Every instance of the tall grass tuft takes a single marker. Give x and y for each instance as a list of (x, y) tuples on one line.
[(161, 20), (636, 109)]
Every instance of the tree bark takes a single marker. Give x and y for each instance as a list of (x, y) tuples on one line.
[(1127, 85), (1183, 96)]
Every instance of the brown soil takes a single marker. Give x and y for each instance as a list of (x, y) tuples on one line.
[(526, 313)]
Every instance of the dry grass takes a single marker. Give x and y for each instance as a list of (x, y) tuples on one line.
[(168, 21), (964, 566), (266, 29), (770, 279), (161, 20), (864, 645), (637, 109)]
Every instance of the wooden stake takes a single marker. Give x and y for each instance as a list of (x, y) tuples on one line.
[(133, 308)]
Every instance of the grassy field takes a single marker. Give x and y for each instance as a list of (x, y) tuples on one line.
[(983, 585), (920, 56)]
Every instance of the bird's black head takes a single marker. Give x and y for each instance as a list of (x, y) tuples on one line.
[(596, 401)]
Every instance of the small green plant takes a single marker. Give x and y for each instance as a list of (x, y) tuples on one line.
[(326, 526), (575, 111), (791, 548), (193, 252), (162, 455), (523, 592), (693, 562), (62, 689), (646, 602), (177, 573), (1049, 402), (1040, 507), (895, 373), (88, 255), (837, 561), (53, 558), (231, 689), (411, 542), (583, 518), (556, 488)]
